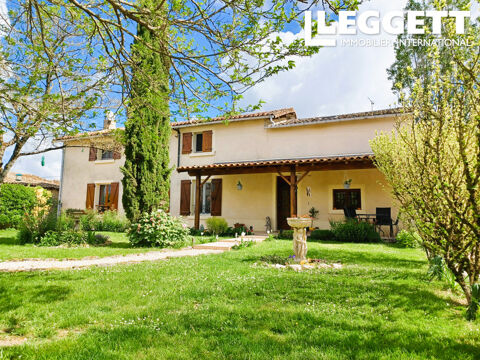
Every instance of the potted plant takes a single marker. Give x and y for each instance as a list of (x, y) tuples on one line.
[(346, 183), (313, 214)]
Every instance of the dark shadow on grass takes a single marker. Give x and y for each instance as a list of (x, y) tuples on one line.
[(9, 241)]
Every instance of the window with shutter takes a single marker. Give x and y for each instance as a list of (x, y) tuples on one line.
[(114, 196), (207, 141), (185, 188), (90, 196), (186, 143), (216, 207), (92, 156)]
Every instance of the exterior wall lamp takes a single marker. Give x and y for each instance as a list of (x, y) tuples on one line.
[(239, 185)]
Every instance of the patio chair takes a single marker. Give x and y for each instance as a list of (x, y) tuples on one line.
[(384, 218), (350, 212)]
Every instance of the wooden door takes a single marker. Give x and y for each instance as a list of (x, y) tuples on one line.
[(283, 204)]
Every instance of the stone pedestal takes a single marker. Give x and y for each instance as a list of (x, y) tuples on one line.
[(299, 226)]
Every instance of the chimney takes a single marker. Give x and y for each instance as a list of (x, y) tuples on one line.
[(109, 121)]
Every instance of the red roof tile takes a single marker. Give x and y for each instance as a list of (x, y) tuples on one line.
[(276, 162)]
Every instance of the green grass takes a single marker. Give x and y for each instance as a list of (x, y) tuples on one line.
[(10, 249), (378, 306)]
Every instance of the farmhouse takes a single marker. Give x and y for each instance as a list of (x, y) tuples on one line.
[(255, 169)]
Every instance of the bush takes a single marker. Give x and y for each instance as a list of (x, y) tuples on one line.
[(158, 229), (217, 225), (285, 234), (50, 238), (108, 221), (15, 201), (354, 231), (71, 238), (111, 221), (407, 239), (65, 222), (36, 224), (321, 235)]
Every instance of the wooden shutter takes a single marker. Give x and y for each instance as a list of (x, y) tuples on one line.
[(90, 196), (207, 141), (216, 197), (186, 143), (93, 154), (114, 196), (185, 189), (117, 155)]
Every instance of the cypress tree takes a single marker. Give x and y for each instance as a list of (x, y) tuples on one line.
[(147, 131)]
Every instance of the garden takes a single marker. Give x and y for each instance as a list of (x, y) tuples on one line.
[(380, 304), (364, 299)]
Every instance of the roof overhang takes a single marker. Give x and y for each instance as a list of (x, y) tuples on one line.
[(343, 162)]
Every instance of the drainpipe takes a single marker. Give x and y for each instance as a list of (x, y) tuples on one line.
[(178, 148), (60, 190)]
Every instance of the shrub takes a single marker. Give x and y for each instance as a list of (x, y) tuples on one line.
[(36, 224), (407, 239), (88, 220), (108, 221), (158, 229), (321, 235), (50, 238), (217, 225), (112, 221), (354, 231), (15, 201), (65, 222), (285, 234)]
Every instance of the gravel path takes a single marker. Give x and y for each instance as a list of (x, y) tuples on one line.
[(52, 264), (49, 264)]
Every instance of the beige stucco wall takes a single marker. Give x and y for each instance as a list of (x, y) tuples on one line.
[(78, 172), (257, 199), (250, 140)]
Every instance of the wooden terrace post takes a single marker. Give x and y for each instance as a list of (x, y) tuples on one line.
[(198, 201), (293, 193)]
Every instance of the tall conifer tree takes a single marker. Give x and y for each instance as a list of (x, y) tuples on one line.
[(147, 131)]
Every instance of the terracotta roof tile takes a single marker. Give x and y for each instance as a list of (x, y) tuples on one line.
[(335, 118), (275, 114), (32, 180), (276, 162)]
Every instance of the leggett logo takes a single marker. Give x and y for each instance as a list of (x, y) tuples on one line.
[(370, 23)]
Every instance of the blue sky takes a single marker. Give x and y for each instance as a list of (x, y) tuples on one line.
[(334, 81)]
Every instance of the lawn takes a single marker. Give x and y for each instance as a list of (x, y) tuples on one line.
[(378, 306), (10, 249)]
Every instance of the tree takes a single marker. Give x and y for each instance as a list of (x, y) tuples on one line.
[(416, 57), (432, 159), (147, 131), (49, 81), (63, 62)]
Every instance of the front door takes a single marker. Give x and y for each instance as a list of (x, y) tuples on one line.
[(283, 204)]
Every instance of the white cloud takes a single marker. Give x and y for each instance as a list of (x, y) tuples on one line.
[(32, 165), (336, 80)]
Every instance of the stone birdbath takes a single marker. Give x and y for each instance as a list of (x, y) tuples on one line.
[(299, 226)]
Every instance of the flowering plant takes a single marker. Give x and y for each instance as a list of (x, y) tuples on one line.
[(158, 228)]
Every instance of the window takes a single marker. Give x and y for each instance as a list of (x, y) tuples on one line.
[(345, 198), (106, 155), (206, 198), (199, 142), (104, 198)]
